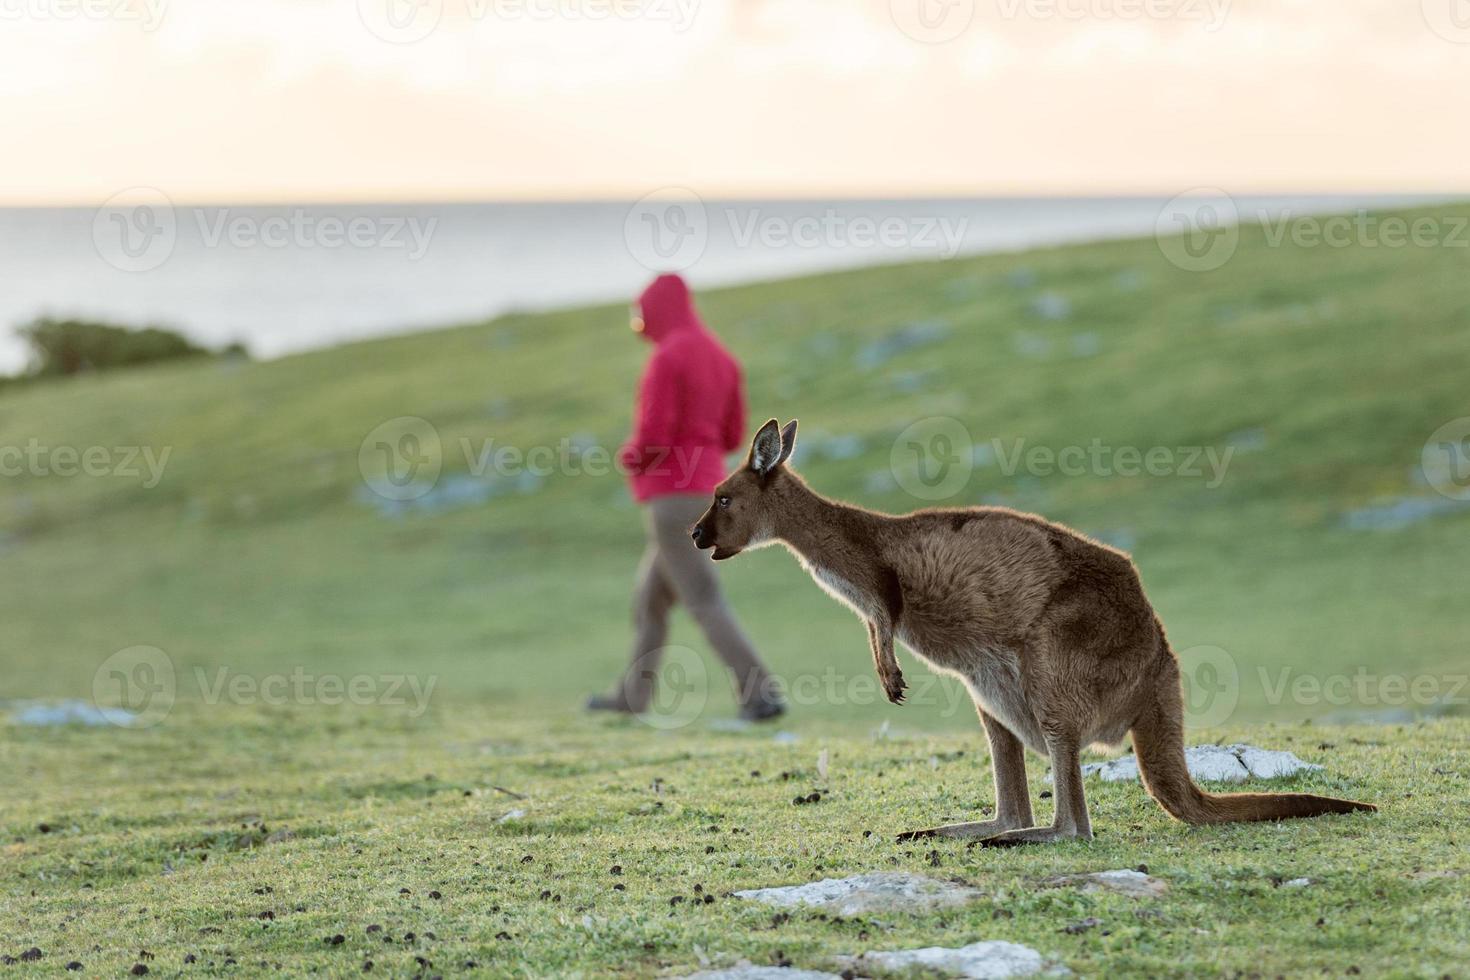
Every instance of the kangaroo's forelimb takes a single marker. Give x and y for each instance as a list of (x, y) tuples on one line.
[(880, 636)]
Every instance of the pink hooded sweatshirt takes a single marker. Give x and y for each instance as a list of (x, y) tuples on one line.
[(691, 406)]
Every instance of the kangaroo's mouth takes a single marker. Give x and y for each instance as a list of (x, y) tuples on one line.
[(720, 554)]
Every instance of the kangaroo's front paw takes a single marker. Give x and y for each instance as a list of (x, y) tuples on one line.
[(894, 686)]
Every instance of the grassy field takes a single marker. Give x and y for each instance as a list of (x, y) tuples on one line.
[(248, 839), (1318, 577)]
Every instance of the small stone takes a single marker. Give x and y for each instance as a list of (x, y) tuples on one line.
[(1135, 884), (876, 892), (992, 960)]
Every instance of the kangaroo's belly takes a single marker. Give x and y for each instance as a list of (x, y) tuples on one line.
[(992, 675)]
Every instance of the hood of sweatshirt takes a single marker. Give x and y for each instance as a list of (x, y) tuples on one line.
[(667, 308)]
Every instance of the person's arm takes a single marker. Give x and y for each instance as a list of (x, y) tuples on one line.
[(658, 412), (735, 416)]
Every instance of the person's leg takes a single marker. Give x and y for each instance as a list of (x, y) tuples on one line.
[(653, 597), (692, 575)]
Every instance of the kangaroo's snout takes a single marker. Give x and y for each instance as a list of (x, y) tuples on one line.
[(697, 533)]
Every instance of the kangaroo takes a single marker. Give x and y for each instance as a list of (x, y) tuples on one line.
[(1049, 630)]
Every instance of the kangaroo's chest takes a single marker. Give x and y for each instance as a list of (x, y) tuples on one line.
[(841, 589)]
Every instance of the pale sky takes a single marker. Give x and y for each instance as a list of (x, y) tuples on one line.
[(326, 100)]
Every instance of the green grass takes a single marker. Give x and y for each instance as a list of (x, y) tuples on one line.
[(158, 842), (260, 553)]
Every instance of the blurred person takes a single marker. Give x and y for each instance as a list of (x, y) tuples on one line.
[(690, 413)]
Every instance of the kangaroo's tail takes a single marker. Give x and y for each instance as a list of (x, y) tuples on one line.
[(1158, 742)]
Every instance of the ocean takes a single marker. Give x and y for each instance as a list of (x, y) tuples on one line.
[(290, 278)]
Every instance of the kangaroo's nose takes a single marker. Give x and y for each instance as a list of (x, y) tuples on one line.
[(697, 534)]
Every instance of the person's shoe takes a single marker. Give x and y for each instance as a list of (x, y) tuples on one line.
[(765, 709), (610, 702)]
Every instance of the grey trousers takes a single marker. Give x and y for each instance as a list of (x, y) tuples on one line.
[(674, 571)]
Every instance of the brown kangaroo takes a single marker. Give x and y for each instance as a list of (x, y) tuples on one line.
[(1049, 630)]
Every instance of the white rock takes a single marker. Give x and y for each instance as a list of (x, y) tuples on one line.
[(1211, 764), (877, 892), (989, 960), (1296, 883), (1266, 764), (1123, 882)]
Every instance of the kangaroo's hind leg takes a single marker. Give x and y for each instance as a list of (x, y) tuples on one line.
[(1071, 821), (1012, 801)]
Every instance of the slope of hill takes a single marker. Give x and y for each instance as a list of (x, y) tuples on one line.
[(1252, 434)]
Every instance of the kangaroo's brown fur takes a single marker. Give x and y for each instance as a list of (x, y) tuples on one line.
[(1050, 631)]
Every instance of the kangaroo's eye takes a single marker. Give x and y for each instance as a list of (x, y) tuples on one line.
[(723, 501)]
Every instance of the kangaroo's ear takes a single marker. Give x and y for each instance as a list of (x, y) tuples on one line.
[(788, 441), (765, 448)]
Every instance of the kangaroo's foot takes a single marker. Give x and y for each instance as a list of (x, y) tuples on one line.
[(984, 828), (1033, 835)]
